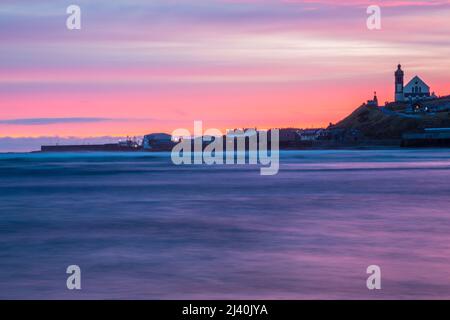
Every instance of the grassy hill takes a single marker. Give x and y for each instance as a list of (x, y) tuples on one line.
[(389, 123)]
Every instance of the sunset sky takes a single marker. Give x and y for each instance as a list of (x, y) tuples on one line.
[(140, 66)]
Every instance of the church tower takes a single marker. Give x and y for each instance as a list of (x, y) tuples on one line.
[(399, 75)]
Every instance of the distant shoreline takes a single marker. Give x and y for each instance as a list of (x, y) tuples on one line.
[(355, 148)]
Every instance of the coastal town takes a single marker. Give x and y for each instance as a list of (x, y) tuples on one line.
[(416, 118)]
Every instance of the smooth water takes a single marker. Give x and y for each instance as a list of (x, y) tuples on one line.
[(141, 227)]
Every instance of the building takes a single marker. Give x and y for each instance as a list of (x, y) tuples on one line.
[(415, 90), (157, 141), (399, 78), (374, 102), (310, 134), (289, 135)]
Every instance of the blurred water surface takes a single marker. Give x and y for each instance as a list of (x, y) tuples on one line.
[(141, 227)]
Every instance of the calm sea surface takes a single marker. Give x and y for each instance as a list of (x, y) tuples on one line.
[(141, 227)]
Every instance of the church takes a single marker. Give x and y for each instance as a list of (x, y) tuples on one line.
[(415, 90)]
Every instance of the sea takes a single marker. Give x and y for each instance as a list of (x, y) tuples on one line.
[(140, 227)]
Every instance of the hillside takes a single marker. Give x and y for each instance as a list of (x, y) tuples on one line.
[(385, 123)]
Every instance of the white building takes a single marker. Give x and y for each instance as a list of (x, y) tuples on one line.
[(415, 90)]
